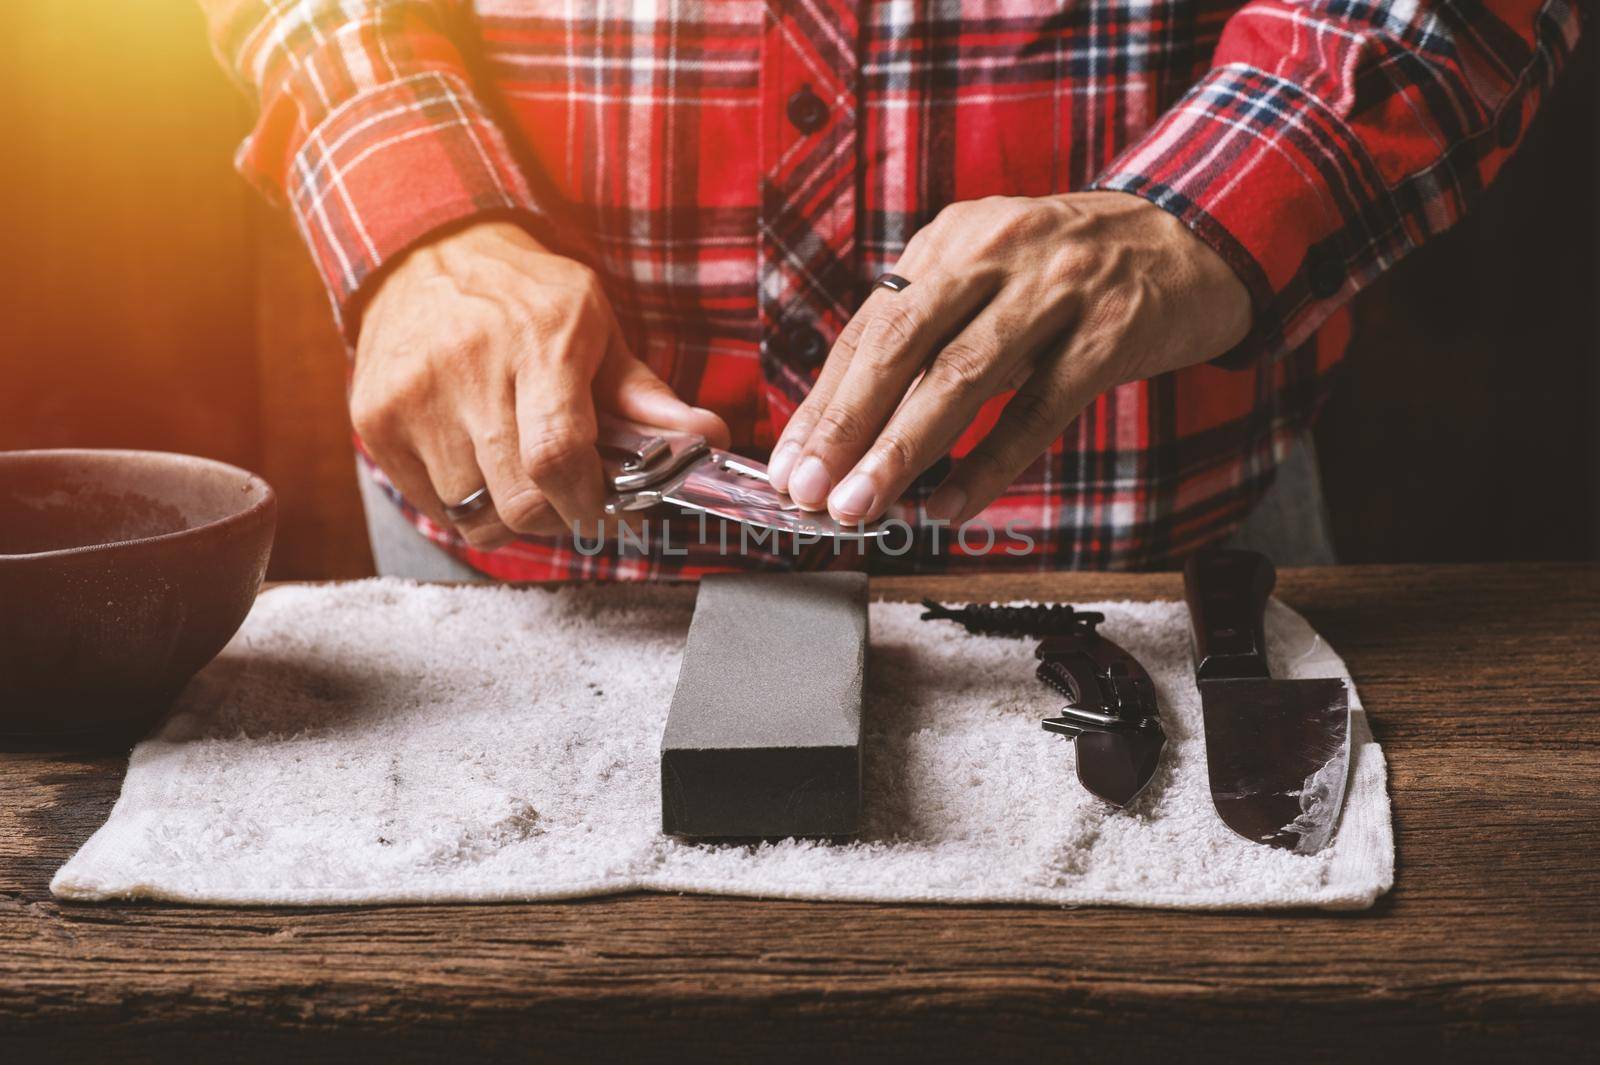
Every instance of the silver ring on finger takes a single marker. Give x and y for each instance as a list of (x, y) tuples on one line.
[(892, 282), (469, 506)]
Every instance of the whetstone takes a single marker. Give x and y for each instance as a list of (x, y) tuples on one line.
[(764, 735)]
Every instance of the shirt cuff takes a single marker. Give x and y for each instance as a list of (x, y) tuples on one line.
[(392, 166), (1279, 186)]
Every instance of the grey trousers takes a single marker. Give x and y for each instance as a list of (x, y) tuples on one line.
[(1289, 525)]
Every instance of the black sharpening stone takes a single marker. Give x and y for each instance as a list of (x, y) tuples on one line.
[(764, 735)]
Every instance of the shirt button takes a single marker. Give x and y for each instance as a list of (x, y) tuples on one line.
[(807, 111), (805, 345)]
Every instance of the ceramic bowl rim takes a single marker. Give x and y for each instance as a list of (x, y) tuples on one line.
[(266, 500)]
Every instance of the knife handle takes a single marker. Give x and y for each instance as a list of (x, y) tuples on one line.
[(1227, 593), (1075, 675), (636, 457)]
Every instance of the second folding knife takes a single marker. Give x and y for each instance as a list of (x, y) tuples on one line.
[(1111, 716)]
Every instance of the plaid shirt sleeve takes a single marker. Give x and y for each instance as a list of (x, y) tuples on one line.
[(1331, 137), (369, 127)]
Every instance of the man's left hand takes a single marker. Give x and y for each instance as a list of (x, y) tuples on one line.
[(1058, 298)]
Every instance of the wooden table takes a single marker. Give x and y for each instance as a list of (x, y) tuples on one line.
[(1483, 685)]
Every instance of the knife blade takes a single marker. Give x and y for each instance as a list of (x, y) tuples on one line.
[(1111, 718), (1277, 751), (736, 488), (646, 467)]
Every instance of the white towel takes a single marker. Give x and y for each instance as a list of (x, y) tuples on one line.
[(383, 741)]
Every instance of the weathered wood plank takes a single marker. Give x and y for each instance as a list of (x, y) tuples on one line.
[(1483, 683)]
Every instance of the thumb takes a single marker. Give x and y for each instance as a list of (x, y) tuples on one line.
[(627, 387)]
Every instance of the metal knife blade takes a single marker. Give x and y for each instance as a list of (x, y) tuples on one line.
[(736, 488), (1277, 751), (1278, 755), (645, 467), (1117, 765)]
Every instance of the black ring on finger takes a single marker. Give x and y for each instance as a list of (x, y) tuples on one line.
[(892, 282)]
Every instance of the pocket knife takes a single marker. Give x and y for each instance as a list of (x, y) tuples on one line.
[(1111, 715), (646, 467)]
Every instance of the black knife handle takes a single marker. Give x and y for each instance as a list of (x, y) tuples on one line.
[(1227, 593), (1076, 676)]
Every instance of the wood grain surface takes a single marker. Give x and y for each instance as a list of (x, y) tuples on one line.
[(1482, 683)]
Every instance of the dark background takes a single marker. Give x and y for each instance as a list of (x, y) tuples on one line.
[(148, 300)]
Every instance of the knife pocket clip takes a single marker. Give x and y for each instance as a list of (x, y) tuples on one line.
[(642, 464), (1105, 697)]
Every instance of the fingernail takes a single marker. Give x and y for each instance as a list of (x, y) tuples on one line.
[(947, 503), (782, 462), (853, 498), (810, 484)]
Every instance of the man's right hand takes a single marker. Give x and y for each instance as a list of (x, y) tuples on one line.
[(481, 361)]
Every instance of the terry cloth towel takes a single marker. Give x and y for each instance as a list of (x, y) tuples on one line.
[(382, 742)]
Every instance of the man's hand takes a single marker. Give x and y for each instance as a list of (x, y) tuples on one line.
[(1059, 298), (481, 362)]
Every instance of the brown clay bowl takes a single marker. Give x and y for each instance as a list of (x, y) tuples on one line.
[(121, 574)]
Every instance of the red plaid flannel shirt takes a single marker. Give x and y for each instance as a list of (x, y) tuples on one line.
[(1312, 143)]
